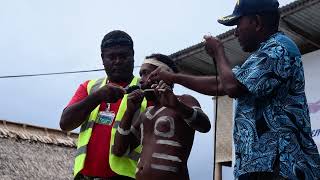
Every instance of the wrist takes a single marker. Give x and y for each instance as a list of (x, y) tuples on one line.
[(178, 104), (175, 78), (219, 51), (131, 111), (124, 132), (98, 95)]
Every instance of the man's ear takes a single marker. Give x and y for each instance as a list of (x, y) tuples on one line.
[(259, 23)]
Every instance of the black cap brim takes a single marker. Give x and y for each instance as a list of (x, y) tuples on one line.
[(230, 20)]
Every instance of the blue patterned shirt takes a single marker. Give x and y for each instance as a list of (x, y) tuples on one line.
[(272, 124)]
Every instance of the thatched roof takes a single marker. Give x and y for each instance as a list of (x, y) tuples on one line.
[(31, 152)]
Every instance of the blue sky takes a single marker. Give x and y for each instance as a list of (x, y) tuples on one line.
[(53, 36)]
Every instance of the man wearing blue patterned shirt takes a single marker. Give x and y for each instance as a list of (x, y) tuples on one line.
[(272, 125), (272, 132)]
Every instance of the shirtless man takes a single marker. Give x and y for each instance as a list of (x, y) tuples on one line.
[(165, 130)]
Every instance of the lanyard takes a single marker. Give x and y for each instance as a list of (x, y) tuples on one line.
[(107, 103)]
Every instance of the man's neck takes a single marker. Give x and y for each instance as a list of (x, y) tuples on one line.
[(267, 35), (263, 37), (126, 81)]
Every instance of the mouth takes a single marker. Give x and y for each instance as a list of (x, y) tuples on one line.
[(148, 85), (119, 70), (145, 86)]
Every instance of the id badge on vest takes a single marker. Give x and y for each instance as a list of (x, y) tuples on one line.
[(106, 117)]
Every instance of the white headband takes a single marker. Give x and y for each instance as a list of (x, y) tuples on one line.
[(157, 63)]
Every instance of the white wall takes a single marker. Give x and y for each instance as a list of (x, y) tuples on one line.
[(311, 63)]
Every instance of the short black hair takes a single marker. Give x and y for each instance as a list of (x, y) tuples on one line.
[(270, 20), (116, 38), (166, 60)]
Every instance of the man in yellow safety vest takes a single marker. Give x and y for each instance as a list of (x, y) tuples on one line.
[(98, 107)]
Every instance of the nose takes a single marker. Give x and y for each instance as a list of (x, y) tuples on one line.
[(117, 60)]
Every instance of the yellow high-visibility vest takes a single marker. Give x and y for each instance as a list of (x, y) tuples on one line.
[(125, 165)]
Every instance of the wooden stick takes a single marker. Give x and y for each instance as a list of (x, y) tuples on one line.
[(149, 90)]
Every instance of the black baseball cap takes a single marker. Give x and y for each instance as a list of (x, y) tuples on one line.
[(249, 7), (116, 38)]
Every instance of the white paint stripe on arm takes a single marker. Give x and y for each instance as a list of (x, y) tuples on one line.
[(166, 157), (169, 142), (137, 168), (135, 132)]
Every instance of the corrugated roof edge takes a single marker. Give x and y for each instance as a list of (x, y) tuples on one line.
[(283, 10), (34, 133)]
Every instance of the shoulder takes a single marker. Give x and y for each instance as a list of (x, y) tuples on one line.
[(279, 45), (189, 100), (83, 88), (85, 84), (186, 97), (80, 94)]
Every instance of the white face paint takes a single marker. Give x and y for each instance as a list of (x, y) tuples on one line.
[(165, 120)]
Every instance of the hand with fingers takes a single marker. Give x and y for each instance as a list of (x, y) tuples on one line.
[(213, 45), (134, 100), (161, 74), (111, 93), (165, 95)]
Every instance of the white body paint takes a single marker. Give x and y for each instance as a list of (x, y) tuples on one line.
[(169, 142), (164, 119), (123, 132), (166, 157), (137, 169), (164, 168), (135, 132), (141, 130), (149, 116)]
